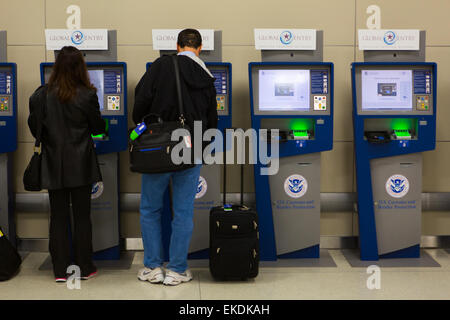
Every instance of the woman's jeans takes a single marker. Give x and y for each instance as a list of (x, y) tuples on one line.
[(184, 189)]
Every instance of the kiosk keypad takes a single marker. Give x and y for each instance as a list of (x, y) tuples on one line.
[(422, 103), (113, 103), (320, 103), (4, 103), (221, 100)]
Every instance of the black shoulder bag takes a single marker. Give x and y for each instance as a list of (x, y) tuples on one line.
[(151, 151), (32, 174)]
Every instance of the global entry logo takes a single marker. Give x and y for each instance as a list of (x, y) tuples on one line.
[(390, 38), (286, 37), (77, 37)]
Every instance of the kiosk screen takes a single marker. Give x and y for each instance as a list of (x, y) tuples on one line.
[(284, 90), (97, 79), (386, 90)]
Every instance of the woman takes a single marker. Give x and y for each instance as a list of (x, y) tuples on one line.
[(69, 163)]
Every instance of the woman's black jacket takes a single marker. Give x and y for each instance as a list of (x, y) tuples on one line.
[(68, 154)]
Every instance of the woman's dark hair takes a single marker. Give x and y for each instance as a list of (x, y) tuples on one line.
[(69, 73), (189, 38)]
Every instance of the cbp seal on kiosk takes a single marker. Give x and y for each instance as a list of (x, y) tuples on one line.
[(97, 190), (201, 188), (397, 186), (295, 186)]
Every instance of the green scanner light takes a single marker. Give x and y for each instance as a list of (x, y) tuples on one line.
[(402, 133), (102, 135), (401, 124), (300, 133), (301, 124), (402, 127)]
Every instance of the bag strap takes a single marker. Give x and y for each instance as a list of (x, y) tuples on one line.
[(177, 80)]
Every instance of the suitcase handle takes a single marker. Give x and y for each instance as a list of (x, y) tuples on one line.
[(225, 174)]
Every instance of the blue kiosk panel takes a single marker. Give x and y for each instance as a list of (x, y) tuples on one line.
[(8, 107), (297, 99), (394, 117), (8, 144)]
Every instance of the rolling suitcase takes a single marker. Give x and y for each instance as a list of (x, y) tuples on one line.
[(234, 239)]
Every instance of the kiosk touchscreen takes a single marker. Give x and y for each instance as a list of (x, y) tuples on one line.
[(8, 144), (297, 99), (394, 107), (110, 80), (208, 190)]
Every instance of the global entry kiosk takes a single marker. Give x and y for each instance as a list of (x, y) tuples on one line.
[(292, 97)]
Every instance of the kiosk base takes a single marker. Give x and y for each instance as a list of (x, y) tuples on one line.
[(311, 252), (105, 210), (7, 219), (208, 196), (295, 196), (397, 192)]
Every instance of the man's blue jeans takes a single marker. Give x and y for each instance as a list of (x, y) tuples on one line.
[(184, 184)]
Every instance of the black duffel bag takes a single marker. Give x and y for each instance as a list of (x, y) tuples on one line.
[(10, 259), (151, 151)]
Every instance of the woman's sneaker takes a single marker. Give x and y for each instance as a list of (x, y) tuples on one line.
[(89, 276), (174, 278), (155, 275), (61, 279)]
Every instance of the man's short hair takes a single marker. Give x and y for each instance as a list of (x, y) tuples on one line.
[(189, 38)]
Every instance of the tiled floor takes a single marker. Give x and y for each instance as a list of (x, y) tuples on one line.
[(341, 282)]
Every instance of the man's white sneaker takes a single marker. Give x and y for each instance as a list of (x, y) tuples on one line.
[(154, 275), (174, 278)]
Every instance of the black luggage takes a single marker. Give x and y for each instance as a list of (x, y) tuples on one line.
[(233, 239), (10, 259)]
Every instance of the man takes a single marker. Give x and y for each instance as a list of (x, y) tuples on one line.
[(156, 93)]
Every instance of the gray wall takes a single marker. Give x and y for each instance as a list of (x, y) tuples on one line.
[(25, 21)]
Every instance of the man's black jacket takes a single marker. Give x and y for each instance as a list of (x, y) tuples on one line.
[(156, 93)]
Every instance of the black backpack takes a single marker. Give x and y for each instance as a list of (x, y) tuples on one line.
[(10, 259)]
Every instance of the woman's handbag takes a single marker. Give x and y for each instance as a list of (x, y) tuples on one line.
[(151, 150), (32, 174)]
